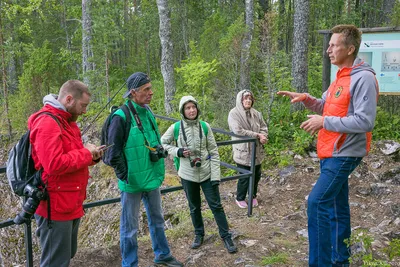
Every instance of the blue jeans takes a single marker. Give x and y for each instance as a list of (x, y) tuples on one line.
[(329, 213), (130, 222), (211, 193)]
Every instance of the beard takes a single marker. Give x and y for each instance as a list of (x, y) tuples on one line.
[(72, 110)]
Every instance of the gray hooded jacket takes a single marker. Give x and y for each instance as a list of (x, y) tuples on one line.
[(247, 123), (206, 148)]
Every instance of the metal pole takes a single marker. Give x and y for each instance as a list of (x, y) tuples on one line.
[(28, 244), (252, 178)]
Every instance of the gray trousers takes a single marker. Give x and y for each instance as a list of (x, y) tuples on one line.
[(59, 244)]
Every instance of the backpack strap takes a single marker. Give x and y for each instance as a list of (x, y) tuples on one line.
[(49, 222), (176, 130), (205, 128), (128, 121)]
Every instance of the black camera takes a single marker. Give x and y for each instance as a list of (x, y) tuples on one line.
[(195, 163), (35, 195), (158, 153)]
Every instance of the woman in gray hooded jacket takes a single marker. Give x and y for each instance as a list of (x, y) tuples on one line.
[(245, 120), (199, 168)]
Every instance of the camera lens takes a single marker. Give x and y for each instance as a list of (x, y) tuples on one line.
[(28, 209), (198, 164)]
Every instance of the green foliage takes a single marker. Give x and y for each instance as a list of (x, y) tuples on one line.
[(212, 33), (363, 256), (196, 74), (277, 258), (395, 16), (393, 250), (386, 126), (34, 83)]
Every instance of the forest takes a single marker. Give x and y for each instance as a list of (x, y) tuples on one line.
[(210, 49)]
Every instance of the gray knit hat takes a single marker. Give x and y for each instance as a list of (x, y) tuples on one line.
[(135, 81)]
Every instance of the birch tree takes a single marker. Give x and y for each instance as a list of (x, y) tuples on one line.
[(167, 60), (246, 43), (300, 47), (87, 52)]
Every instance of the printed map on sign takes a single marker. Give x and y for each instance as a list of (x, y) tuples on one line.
[(390, 61)]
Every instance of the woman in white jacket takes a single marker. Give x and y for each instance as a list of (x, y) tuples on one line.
[(199, 168), (245, 120)]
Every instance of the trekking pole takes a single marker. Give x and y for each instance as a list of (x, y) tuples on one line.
[(101, 110)]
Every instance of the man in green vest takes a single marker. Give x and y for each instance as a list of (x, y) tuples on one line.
[(139, 166)]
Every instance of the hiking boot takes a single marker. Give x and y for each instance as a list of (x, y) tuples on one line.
[(230, 246), (171, 262), (198, 240), (241, 204), (255, 202)]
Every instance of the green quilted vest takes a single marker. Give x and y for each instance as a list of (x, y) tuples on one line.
[(143, 174)]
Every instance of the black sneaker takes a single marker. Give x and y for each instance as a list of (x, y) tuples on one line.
[(230, 246), (171, 262), (198, 240)]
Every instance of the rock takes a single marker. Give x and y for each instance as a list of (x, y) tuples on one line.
[(313, 154), (379, 188), (376, 165), (309, 169), (248, 243), (397, 221), (298, 157), (358, 249), (363, 191), (376, 244), (356, 174), (295, 216), (393, 175), (197, 256), (389, 147), (239, 261), (287, 171), (303, 233), (384, 223)]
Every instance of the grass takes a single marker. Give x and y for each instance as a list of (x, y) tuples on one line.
[(277, 258)]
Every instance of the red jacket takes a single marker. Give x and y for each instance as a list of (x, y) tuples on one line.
[(58, 149)]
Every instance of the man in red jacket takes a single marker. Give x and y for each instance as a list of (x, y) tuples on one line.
[(57, 148)]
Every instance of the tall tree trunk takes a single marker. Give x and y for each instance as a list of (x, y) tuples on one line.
[(107, 75), (167, 53), (246, 43), (288, 26), (300, 46), (127, 37), (184, 27), (87, 52), (4, 76), (281, 26)]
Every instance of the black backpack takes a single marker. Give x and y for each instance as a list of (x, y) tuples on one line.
[(106, 124), (20, 166)]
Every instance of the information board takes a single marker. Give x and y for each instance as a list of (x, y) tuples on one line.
[(382, 52)]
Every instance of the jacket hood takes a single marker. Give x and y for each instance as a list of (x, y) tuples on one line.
[(51, 100), (184, 100), (239, 97), (360, 65)]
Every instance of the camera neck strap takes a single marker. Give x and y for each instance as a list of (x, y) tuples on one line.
[(185, 137), (140, 125)]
